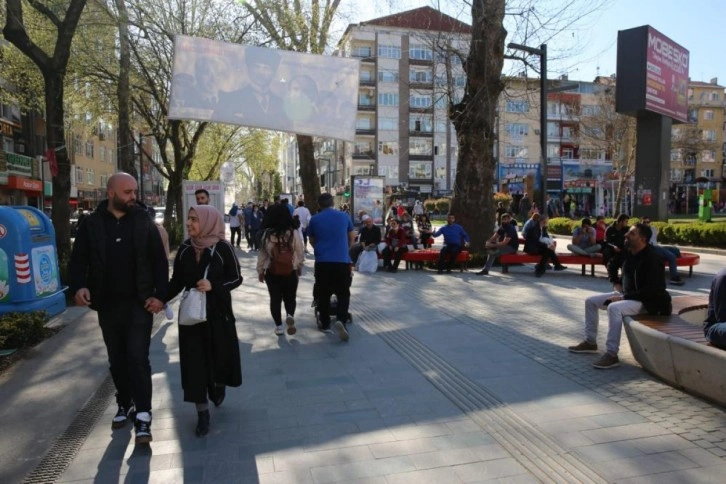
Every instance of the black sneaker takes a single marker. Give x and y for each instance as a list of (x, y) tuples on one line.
[(677, 281), (143, 431), (122, 416)]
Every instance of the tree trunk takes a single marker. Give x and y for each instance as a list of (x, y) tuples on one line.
[(474, 120), (124, 142), (55, 134), (308, 172)]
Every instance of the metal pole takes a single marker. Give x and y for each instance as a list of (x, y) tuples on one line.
[(141, 167), (330, 181), (543, 125)]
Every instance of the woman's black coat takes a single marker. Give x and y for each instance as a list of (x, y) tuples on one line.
[(209, 351)]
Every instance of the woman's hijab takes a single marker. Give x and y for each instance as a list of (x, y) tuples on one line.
[(211, 227)]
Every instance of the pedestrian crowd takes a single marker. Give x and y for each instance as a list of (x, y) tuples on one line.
[(119, 267)]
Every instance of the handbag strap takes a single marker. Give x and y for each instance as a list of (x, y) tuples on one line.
[(210, 262)]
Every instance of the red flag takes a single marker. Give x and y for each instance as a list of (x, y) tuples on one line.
[(52, 162)]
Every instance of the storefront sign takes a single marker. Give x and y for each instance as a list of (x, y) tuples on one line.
[(26, 184), (19, 164)]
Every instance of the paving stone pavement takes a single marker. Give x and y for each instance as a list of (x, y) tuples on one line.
[(446, 378)]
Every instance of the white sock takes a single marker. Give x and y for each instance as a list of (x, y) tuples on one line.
[(144, 416)]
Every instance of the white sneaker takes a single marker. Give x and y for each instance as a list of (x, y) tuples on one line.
[(279, 331), (169, 313), (290, 321)]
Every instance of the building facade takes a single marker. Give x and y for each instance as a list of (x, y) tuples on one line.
[(409, 73)]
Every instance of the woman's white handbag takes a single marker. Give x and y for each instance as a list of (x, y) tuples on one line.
[(193, 304)]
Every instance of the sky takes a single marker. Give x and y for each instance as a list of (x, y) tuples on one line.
[(589, 47)]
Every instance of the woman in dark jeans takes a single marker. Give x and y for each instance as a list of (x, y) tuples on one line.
[(282, 240)]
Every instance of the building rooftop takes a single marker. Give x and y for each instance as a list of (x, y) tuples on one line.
[(424, 18)]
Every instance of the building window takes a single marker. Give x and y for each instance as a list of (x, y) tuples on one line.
[(715, 96), (388, 76), (460, 81), (387, 99), (676, 155), (708, 173), (591, 154), (709, 135), (89, 149), (420, 52), (363, 123), (590, 110), (515, 151), (517, 106), (366, 100), (366, 76), (418, 101), (361, 51), (422, 124), (388, 147), (389, 51), (362, 148), (692, 115), (708, 156), (103, 180), (388, 123), (516, 130), (77, 144), (421, 147), (708, 115), (420, 170), (89, 176), (420, 76), (79, 175), (553, 108), (102, 153)]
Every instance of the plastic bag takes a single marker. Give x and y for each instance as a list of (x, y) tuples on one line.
[(368, 261)]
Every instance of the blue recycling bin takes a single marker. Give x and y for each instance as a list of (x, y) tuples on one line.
[(29, 276)]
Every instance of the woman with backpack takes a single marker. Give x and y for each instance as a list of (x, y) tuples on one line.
[(279, 264)]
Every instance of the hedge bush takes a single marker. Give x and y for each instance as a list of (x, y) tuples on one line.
[(694, 234), (20, 330)]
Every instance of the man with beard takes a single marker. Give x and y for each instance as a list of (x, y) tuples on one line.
[(119, 268), (504, 241), (643, 289)]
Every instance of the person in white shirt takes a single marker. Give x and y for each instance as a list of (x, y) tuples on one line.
[(303, 215)]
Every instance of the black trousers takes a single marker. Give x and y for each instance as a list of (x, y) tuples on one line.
[(547, 255), (238, 231), (389, 254), (453, 252), (282, 289), (332, 278), (248, 236), (126, 328)]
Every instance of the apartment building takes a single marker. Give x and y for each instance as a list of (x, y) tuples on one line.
[(92, 152), (408, 74)]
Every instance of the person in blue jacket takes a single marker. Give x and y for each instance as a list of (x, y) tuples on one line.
[(455, 239)]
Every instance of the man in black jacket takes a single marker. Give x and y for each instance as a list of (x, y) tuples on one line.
[(715, 325), (614, 247), (641, 289), (119, 268), (369, 237)]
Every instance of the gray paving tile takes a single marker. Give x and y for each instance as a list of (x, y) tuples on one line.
[(644, 465), (428, 476), (624, 432), (493, 469), (704, 475), (363, 469)]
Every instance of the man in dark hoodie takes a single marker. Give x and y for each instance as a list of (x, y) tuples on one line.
[(119, 268), (642, 289)]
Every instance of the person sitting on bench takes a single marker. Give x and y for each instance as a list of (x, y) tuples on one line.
[(455, 238), (715, 325), (537, 241), (504, 241), (667, 253), (583, 240)]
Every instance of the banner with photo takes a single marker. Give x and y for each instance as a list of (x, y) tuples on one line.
[(264, 88), (519, 177), (367, 196), (583, 177)]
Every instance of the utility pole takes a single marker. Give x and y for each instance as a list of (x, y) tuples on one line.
[(141, 167)]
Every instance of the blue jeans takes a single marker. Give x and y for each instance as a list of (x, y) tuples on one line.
[(666, 254), (716, 335)]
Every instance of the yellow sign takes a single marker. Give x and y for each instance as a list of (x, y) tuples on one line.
[(33, 221)]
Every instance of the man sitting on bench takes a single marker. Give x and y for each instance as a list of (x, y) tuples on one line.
[(583, 240), (642, 289), (715, 324), (455, 238), (504, 241)]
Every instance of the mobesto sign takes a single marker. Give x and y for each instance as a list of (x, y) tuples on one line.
[(652, 74)]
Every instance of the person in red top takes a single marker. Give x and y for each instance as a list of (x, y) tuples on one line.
[(396, 240), (600, 228)]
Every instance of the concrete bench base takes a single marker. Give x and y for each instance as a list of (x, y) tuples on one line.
[(676, 351)]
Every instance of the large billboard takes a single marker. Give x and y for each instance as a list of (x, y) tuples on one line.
[(264, 88), (652, 74), (367, 196)]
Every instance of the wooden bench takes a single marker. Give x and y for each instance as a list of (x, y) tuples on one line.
[(675, 349), (687, 259), (416, 258)]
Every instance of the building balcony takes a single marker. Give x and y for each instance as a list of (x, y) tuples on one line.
[(428, 110), (369, 59), (365, 131), (367, 82), (421, 84), (421, 134), (413, 157), (421, 62), (364, 155), (367, 107)]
